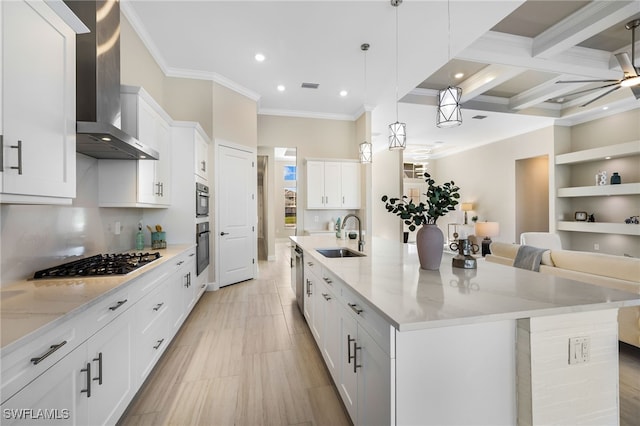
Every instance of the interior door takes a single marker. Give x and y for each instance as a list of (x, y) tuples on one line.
[(237, 214)]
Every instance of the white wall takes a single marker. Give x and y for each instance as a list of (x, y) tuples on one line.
[(487, 177), (37, 237), (386, 171)]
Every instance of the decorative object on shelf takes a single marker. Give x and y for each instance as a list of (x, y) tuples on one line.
[(466, 207), (616, 179), (397, 130), (580, 216), (474, 219), (487, 230), (429, 239), (601, 178), (592, 218), (366, 149), (633, 219), (464, 259)]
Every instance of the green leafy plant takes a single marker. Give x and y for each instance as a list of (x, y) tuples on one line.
[(474, 219), (440, 201)]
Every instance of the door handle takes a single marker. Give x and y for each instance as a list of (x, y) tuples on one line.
[(222, 234)]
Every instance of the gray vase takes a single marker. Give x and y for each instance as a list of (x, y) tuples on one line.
[(430, 243)]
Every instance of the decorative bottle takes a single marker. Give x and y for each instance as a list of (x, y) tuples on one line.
[(615, 179), (139, 238)]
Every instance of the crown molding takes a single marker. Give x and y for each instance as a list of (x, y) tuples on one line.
[(305, 114)]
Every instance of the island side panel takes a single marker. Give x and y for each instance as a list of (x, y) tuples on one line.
[(457, 375), (553, 391)]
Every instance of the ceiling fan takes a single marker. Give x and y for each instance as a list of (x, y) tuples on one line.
[(631, 77)]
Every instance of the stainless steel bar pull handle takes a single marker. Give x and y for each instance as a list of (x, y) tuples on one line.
[(326, 296), (120, 303), (158, 306), (159, 344), (349, 356), (204, 166), (327, 280), (88, 371), (19, 166), (52, 349), (355, 308), (99, 359), (355, 356)]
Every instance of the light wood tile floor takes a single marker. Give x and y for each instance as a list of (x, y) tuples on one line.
[(245, 357)]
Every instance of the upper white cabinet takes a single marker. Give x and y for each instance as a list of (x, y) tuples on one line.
[(201, 153), (37, 119), (333, 184), (139, 183)]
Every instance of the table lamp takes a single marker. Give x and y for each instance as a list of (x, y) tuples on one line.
[(487, 230), (466, 207)]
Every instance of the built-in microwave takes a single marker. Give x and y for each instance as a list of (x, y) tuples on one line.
[(202, 200)]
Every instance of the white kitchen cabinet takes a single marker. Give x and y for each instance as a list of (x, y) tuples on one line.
[(58, 396), (333, 184), (348, 376), (38, 158), (139, 183), (110, 354), (183, 289), (201, 165)]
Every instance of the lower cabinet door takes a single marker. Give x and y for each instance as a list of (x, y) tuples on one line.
[(374, 382), (331, 347), (110, 355), (348, 376), (56, 397)]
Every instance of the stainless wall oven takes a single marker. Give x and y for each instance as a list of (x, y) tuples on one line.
[(202, 200), (202, 246)]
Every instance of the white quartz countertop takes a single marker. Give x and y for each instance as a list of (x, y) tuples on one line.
[(390, 279), (31, 307)]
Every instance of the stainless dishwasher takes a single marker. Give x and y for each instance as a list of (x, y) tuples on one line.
[(297, 276)]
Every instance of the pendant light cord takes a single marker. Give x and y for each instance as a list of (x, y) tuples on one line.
[(397, 62)]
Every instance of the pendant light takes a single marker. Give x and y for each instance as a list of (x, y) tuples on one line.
[(365, 147), (397, 130), (449, 113)]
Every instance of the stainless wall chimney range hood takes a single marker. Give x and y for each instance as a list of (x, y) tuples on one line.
[(98, 112)]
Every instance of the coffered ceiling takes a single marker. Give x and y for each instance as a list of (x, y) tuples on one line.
[(511, 53)]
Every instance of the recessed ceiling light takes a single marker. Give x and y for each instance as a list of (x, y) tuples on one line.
[(281, 88), (605, 108), (343, 93), (607, 158), (458, 75), (105, 138), (260, 57)]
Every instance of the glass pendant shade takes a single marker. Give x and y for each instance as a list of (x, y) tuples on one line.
[(449, 113), (365, 152), (397, 136)]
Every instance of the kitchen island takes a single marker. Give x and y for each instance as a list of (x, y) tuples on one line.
[(492, 345)]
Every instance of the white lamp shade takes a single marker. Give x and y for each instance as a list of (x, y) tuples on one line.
[(365, 152), (449, 114), (487, 229), (397, 136)]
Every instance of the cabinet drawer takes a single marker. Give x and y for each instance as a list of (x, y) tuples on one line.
[(379, 329), (333, 283), (23, 365), (312, 266), (151, 343), (152, 307), (108, 309)]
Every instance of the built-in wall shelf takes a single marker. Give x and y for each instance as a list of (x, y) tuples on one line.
[(626, 149), (600, 191), (600, 227)]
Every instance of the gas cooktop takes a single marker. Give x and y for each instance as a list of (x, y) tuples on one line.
[(99, 265)]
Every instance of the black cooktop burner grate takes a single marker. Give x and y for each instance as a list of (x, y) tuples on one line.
[(99, 265)]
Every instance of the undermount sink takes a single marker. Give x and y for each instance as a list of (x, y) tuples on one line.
[(339, 252)]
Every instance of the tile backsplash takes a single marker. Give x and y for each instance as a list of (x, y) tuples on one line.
[(35, 237)]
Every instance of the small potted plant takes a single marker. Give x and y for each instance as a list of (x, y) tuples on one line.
[(441, 199)]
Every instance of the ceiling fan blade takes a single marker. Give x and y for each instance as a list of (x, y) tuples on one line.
[(598, 97), (588, 90), (626, 65), (585, 81), (636, 91)]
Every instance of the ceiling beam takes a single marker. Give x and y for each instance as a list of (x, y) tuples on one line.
[(543, 92), (581, 25), (486, 79)]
